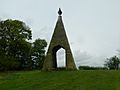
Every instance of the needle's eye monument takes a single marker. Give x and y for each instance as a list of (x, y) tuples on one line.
[(59, 40)]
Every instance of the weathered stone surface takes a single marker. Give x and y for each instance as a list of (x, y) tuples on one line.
[(59, 40)]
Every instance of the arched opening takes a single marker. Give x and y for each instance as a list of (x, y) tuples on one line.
[(61, 58)]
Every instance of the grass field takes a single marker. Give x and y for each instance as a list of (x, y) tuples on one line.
[(60, 80)]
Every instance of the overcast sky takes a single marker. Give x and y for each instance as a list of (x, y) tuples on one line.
[(92, 26)]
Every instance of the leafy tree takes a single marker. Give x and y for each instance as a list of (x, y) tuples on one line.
[(8, 63), (16, 52), (14, 45), (38, 53), (113, 63)]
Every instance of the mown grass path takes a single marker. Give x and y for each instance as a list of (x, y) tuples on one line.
[(60, 80)]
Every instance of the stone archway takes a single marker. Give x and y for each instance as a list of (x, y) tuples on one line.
[(59, 40), (54, 51), (61, 58)]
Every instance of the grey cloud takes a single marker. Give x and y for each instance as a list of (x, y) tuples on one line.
[(44, 32), (86, 59), (81, 58), (29, 21)]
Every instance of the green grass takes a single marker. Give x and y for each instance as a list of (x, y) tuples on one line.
[(60, 80)]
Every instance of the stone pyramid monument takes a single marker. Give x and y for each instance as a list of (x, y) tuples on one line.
[(59, 40)]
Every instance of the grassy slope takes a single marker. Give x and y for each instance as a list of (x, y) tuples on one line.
[(62, 80)]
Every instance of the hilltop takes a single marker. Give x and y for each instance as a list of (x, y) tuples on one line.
[(60, 80)]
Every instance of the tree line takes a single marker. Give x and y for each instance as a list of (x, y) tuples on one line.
[(17, 52), (112, 63)]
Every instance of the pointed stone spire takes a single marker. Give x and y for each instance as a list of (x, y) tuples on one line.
[(59, 40)]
